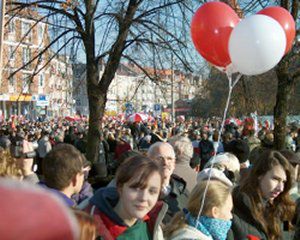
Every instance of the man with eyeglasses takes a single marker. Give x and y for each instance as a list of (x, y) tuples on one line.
[(174, 191)]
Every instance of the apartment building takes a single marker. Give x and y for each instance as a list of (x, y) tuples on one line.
[(130, 87), (34, 89)]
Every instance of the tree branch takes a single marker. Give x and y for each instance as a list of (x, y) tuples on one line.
[(74, 18), (42, 52)]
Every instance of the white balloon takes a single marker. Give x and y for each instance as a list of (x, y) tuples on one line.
[(256, 44)]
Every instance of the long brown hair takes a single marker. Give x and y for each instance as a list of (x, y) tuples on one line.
[(87, 225), (282, 208), (137, 170), (217, 193)]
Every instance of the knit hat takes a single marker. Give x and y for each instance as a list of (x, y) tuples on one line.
[(29, 212), (239, 148), (228, 163), (216, 174)]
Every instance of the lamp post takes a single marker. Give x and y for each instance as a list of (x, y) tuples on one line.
[(172, 90), (2, 8), (2, 17)]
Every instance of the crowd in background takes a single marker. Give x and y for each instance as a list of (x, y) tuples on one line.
[(152, 180)]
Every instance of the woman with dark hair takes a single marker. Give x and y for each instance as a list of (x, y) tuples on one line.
[(262, 201), (130, 211)]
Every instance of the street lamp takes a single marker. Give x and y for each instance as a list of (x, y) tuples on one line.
[(2, 17)]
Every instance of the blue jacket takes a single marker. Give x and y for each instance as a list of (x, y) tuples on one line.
[(68, 201)]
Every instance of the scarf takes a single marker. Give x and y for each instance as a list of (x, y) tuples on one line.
[(212, 227)]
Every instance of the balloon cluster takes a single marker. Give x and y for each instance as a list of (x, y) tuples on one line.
[(251, 46)]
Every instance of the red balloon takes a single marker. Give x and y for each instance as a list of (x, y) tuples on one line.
[(286, 21), (211, 28)]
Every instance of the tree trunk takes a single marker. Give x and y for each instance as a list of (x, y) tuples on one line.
[(97, 101), (284, 88)]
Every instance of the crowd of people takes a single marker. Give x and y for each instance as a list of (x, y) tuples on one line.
[(152, 180)]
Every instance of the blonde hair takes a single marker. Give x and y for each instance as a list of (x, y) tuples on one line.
[(8, 165), (217, 193)]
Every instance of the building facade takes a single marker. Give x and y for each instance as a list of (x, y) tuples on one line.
[(29, 87), (131, 91)]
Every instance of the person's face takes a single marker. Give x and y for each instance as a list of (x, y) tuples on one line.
[(272, 183), (165, 156), (26, 163), (224, 211), (135, 203), (204, 136), (79, 181)]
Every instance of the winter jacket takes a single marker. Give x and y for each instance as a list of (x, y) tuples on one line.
[(5, 142), (184, 170), (121, 148), (244, 223), (44, 146), (111, 226), (189, 232), (177, 198), (85, 192), (206, 149), (252, 142), (67, 201)]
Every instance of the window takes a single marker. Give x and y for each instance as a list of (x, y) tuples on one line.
[(26, 56), (11, 83), (11, 26), (11, 54), (26, 31), (41, 81), (40, 33), (26, 83)]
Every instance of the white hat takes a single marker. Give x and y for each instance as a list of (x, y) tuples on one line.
[(215, 174)]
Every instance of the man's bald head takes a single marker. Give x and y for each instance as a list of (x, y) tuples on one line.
[(159, 147), (164, 154)]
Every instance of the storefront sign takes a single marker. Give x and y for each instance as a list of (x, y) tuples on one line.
[(42, 101), (20, 98)]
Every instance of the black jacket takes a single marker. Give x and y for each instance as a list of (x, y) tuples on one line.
[(243, 223), (206, 149), (177, 198)]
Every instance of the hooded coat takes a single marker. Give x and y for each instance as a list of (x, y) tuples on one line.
[(111, 226)]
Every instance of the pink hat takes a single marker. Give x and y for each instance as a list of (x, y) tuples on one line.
[(31, 213)]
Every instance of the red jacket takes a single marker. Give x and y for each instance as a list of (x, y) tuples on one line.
[(121, 148)]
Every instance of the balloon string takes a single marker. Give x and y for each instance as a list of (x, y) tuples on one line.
[(231, 86), (236, 80)]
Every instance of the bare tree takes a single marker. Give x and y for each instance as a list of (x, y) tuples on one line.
[(287, 70), (287, 73), (138, 31)]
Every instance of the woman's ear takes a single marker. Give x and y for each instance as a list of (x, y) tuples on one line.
[(259, 178), (215, 212), (119, 189)]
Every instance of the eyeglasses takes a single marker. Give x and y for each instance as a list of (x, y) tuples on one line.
[(165, 158)]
